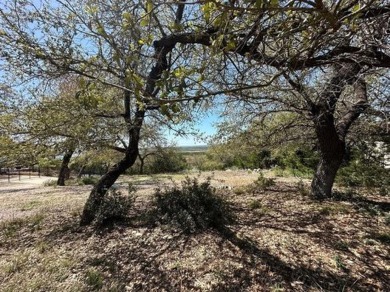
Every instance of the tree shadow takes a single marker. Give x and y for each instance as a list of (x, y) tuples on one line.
[(363, 203), (288, 274)]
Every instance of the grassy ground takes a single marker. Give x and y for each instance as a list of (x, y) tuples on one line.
[(282, 241)]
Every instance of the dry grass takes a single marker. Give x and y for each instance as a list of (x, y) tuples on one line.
[(282, 241)]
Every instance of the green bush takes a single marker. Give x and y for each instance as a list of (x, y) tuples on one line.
[(364, 171), (115, 206), (169, 160), (262, 183), (193, 207), (89, 180)]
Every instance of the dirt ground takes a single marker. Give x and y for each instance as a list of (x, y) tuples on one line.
[(281, 241)]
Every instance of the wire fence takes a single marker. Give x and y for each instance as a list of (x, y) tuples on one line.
[(12, 174)]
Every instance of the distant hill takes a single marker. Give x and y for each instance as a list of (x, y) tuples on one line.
[(187, 149)]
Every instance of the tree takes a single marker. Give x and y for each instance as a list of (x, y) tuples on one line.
[(109, 42), (158, 54), (311, 57)]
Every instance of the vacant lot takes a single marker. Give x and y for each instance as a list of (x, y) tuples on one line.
[(282, 241)]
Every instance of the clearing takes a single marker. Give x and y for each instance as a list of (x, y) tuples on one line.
[(282, 241)]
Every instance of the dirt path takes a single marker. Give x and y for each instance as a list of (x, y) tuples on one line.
[(25, 182)]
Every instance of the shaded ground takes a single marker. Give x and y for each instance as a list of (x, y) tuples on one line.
[(282, 241)]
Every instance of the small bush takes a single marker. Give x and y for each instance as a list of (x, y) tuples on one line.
[(50, 183), (255, 204), (262, 183), (115, 206), (94, 279), (193, 207), (89, 180)]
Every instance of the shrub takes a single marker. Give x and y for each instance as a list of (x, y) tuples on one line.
[(262, 183), (169, 160), (364, 170), (89, 180), (50, 183), (94, 279), (193, 207), (255, 204), (115, 206)]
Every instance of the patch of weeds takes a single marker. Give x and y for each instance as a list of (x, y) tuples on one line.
[(339, 263), (255, 204), (16, 264), (240, 190), (42, 247), (348, 195), (262, 183), (370, 209), (279, 172), (30, 205), (11, 227), (277, 288), (88, 180), (115, 206), (50, 183), (381, 237), (303, 189), (384, 191), (35, 221), (94, 279), (334, 209), (193, 207), (341, 245), (325, 210)]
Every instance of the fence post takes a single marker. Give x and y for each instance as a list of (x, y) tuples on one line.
[(9, 175), (19, 173)]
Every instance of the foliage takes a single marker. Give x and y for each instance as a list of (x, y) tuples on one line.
[(168, 160), (193, 207), (115, 206), (94, 279), (298, 160), (88, 180), (262, 183), (364, 168)]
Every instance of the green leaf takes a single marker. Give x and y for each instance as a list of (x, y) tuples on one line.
[(126, 16), (274, 3), (259, 3), (208, 9), (145, 21), (356, 7)]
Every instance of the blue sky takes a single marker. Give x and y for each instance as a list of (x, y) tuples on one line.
[(205, 125)]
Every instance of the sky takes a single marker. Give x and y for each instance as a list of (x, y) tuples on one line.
[(205, 125)]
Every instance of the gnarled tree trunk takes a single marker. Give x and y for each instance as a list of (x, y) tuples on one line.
[(105, 182), (162, 49), (331, 134), (332, 149), (64, 170)]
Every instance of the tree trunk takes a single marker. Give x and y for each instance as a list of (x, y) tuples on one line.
[(324, 177), (332, 149), (81, 171), (331, 134), (133, 126), (141, 166), (64, 170), (105, 182)]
